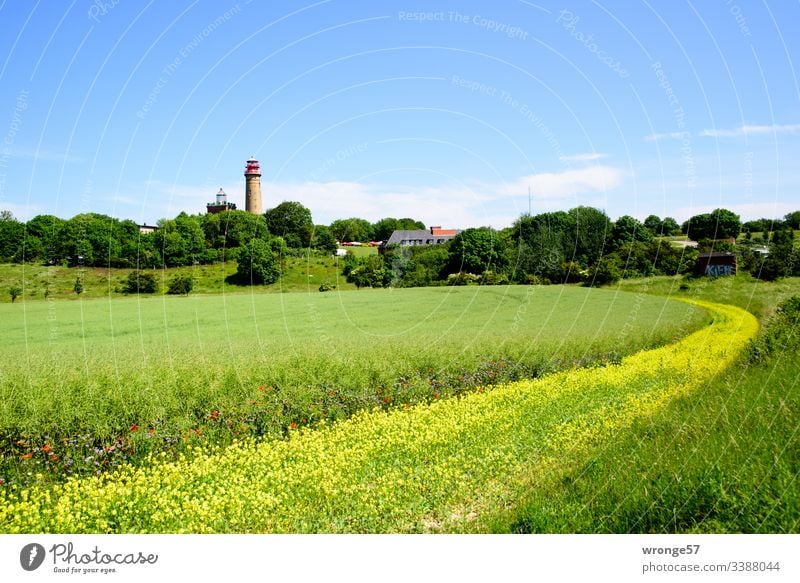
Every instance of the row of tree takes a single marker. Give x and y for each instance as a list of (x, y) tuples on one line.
[(582, 243), (92, 239), (579, 245)]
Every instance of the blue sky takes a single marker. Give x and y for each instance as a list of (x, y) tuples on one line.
[(441, 110)]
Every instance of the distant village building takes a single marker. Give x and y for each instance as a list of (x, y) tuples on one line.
[(147, 229), (221, 204), (716, 264), (409, 238)]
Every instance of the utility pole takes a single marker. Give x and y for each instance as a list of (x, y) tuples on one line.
[(529, 201)]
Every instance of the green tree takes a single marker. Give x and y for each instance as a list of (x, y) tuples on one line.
[(627, 230), (292, 221), (383, 229), (719, 224), (793, 220), (352, 229), (592, 234), (46, 228), (31, 249), (89, 239), (180, 241), (476, 251), (11, 234), (77, 287), (14, 291), (232, 229), (670, 227), (324, 240), (257, 264), (541, 246), (416, 266), (653, 224)]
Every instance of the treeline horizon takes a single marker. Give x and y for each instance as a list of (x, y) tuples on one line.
[(560, 246)]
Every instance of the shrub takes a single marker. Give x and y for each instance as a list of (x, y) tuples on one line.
[(14, 291), (781, 334), (140, 283), (494, 278), (180, 285), (326, 286), (607, 270), (462, 278), (771, 269), (573, 272)]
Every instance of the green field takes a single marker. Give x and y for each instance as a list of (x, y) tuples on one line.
[(405, 410), (430, 468), (263, 362), (39, 282)]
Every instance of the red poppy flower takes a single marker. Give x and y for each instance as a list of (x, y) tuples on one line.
[(26, 456), (436, 395), (262, 388), (214, 415), (293, 425), (134, 428), (47, 448)]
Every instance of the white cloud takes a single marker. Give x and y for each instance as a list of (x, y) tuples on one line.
[(749, 130), (454, 205), (666, 136), (559, 185), (590, 157)]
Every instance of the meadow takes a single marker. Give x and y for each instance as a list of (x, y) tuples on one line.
[(93, 384), (472, 409), (428, 468), (40, 282)]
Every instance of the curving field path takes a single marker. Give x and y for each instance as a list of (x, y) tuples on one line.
[(425, 468)]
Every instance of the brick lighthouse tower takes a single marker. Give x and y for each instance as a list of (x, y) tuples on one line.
[(252, 187)]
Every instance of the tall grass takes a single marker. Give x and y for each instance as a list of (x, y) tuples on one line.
[(428, 468), (722, 459), (140, 374)]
